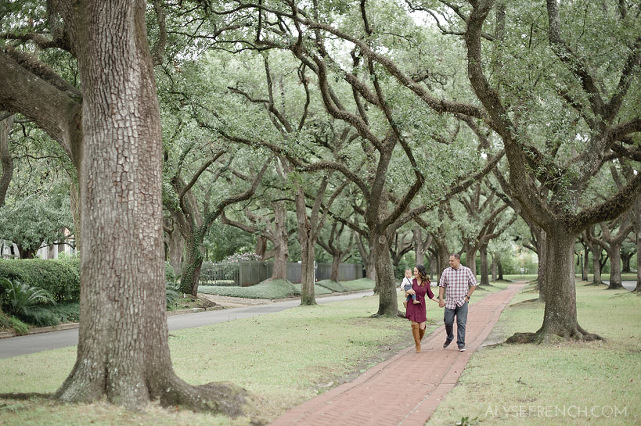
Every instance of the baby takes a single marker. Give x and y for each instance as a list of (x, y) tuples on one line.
[(406, 285)]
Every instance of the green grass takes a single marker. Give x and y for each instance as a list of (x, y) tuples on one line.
[(318, 348), (568, 383), (323, 346), (280, 289), (270, 289)]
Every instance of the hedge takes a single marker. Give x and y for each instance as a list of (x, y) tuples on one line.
[(61, 278)]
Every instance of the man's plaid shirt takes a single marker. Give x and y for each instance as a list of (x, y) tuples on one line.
[(456, 283)]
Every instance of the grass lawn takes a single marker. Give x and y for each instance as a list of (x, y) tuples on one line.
[(288, 357), (568, 383)]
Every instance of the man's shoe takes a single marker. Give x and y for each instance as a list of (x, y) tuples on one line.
[(447, 343), (461, 349)]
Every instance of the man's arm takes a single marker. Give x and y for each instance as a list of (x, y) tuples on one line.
[(471, 285)]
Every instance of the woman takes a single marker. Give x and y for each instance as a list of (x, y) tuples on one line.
[(417, 313)]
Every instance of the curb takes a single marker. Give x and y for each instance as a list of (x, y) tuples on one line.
[(69, 326), (72, 325)]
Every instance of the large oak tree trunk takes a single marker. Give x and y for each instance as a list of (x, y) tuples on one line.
[(543, 262), (123, 350), (560, 316), (385, 282)]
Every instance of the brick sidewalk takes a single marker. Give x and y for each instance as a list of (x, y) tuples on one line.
[(390, 393)]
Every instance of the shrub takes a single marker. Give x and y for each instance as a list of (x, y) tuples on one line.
[(13, 323), (170, 274), (61, 278), (172, 291), (25, 302), (66, 311)]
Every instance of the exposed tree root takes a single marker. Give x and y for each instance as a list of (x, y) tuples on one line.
[(385, 314), (617, 286), (222, 398), (546, 338), (527, 302)]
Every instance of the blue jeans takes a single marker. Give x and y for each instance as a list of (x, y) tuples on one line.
[(461, 319)]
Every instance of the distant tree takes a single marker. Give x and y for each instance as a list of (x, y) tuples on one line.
[(35, 221), (610, 239)]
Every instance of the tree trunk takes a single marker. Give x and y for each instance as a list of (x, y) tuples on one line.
[(281, 247), (176, 249), (387, 298), (26, 253), (74, 201), (367, 256), (50, 253), (541, 247), (499, 267), (596, 264), (336, 263), (586, 266), (638, 232), (433, 267), (307, 242), (560, 318), (484, 272), (443, 256), (494, 267), (5, 157), (261, 246), (615, 267), (194, 258), (470, 259), (625, 260), (123, 350), (308, 276)]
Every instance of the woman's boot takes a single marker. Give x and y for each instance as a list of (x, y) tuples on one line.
[(416, 333), (421, 333)]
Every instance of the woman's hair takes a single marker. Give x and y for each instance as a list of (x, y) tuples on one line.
[(422, 272)]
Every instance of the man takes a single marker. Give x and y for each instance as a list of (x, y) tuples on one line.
[(457, 285)]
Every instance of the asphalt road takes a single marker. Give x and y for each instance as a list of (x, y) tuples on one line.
[(23, 345)]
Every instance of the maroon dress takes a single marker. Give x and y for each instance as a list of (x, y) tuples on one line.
[(416, 312)]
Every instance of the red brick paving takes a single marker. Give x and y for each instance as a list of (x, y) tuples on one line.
[(392, 394)]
